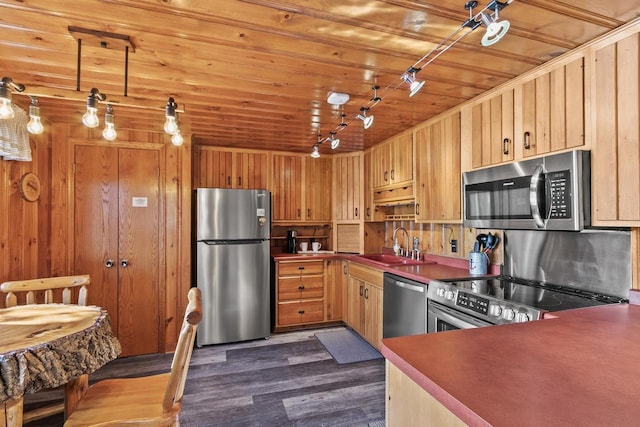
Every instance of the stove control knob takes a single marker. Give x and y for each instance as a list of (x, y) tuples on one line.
[(448, 295), (522, 317), (508, 314), (440, 292), (495, 310)]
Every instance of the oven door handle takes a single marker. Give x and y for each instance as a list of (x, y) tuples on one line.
[(459, 320), (533, 196)]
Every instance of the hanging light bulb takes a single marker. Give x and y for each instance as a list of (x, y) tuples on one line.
[(410, 78), (170, 124), (35, 124), (366, 121), (177, 139), (315, 153), (109, 133), (90, 118)]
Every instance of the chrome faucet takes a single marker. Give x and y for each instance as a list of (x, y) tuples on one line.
[(406, 240)]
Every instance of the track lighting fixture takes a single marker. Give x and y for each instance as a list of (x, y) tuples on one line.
[(342, 123), (170, 124), (376, 98), (410, 78), (90, 118), (109, 133), (34, 126), (366, 121), (335, 142), (6, 109), (494, 30), (315, 153), (177, 139)]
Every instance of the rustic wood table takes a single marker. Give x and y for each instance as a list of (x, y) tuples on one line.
[(50, 345)]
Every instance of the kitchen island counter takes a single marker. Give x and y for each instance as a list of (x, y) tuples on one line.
[(577, 369)]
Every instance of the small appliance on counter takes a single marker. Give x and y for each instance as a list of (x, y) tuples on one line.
[(291, 242)]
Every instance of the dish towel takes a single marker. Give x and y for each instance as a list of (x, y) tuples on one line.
[(14, 138)]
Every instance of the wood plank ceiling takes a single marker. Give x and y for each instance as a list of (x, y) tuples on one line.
[(256, 73)]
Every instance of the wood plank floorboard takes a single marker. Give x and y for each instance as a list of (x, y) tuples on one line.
[(287, 380)]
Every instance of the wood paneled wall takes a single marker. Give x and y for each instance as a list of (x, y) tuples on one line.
[(36, 238), (25, 226)]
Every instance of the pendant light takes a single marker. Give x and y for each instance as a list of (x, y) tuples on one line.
[(34, 126), (177, 139), (90, 118), (109, 133), (170, 124), (6, 108)]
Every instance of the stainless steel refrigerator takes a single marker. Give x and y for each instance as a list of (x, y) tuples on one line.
[(232, 266)]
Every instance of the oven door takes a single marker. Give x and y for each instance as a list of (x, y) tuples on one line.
[(442, 319)]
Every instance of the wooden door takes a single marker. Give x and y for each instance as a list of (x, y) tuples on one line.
[(373, 315), (401, 159), (138, 281), (317, 189), (355, 304), (214, 169), (348, 187), (116, 219), (250, 170), (492, 130), (380, 165), (286, 190)]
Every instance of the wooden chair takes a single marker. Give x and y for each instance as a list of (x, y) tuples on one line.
[(50, 287), (150, 401), (47, 286)]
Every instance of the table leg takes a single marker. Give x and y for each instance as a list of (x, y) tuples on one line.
[(11, 413), (73, 392)]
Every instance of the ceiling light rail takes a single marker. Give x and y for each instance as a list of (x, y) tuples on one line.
[(495, 31)]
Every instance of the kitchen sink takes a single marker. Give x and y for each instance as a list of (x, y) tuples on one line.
[(389, 260)]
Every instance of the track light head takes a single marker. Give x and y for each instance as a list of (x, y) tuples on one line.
[(335, 142), (367, 121), (410, 78), (315, 153)]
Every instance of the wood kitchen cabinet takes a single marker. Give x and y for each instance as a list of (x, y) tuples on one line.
[(299, 292), (492, 130), (226, 168), (336, 275), (348, 192), (615, 158), (553, 110), (392, 162), (438, 187), (317, 189), (364, 302)]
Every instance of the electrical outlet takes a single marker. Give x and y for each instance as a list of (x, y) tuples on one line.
[(454, 245)]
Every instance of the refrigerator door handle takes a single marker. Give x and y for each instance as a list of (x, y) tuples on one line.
[(231, 242)]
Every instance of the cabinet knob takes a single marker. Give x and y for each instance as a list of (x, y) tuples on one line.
[(124, 263), (308, 213), (527, 140), (356, 212), (239, 181), (109, 263), (385, 176)]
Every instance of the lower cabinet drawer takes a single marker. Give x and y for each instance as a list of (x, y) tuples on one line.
[(293, 313)]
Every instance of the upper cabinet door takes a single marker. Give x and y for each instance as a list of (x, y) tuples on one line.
[(401, 161), (492, 130), (348, 187), (317, 189), (286, 191), (553, 110), (615, 184)]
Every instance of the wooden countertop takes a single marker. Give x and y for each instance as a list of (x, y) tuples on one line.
[(577, 369)]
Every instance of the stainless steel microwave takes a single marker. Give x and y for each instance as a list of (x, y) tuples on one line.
[(546, 193)]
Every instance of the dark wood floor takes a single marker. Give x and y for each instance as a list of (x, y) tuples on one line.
[(287, 380)]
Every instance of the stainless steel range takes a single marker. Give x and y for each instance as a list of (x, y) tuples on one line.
[(543, 272)]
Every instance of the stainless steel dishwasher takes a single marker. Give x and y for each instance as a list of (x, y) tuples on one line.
[(404, 309)]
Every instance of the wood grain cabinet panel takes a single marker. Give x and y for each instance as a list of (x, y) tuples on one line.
[(300, 292), (348, 193), (438, 186), (392, 162), (364, 302), (317, 189), (553, 110), (492, 124), (616, 149), (222, 168), (286, 191)]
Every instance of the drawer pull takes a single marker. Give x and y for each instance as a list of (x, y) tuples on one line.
[(301, 288), (300, 311), (366, 293), (361, 290)]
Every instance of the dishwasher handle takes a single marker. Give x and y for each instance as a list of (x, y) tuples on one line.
[(416, 288)]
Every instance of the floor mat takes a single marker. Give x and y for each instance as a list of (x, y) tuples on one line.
[(347, 347)]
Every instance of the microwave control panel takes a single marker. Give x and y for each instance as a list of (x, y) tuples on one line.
[(559, 185)]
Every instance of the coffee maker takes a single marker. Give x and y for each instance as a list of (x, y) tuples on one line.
[(291, 242)]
